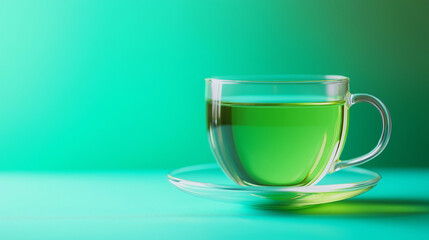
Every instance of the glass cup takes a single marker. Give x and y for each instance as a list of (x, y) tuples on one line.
[(284, 130)]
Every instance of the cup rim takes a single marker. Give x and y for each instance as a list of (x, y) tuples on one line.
[(279, 79)]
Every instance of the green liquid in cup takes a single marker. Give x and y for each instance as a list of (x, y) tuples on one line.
[(276, 143)]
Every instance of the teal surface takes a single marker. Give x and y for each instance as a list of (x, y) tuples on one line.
[(119, 84), (143, 205)]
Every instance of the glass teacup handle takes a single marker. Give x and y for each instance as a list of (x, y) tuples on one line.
[(385, 134)]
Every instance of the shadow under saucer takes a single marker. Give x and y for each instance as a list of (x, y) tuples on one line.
[(362, 207)]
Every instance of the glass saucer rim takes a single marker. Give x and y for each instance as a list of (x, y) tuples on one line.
[(252, 189)]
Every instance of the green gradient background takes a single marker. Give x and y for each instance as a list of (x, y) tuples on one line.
[(119, 84)]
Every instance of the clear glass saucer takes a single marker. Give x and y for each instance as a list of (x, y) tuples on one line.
[(209, 181)]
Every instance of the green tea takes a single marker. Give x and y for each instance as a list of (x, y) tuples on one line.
[(276, 143)]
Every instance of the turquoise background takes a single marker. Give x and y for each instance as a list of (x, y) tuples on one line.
[(119, 84)]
